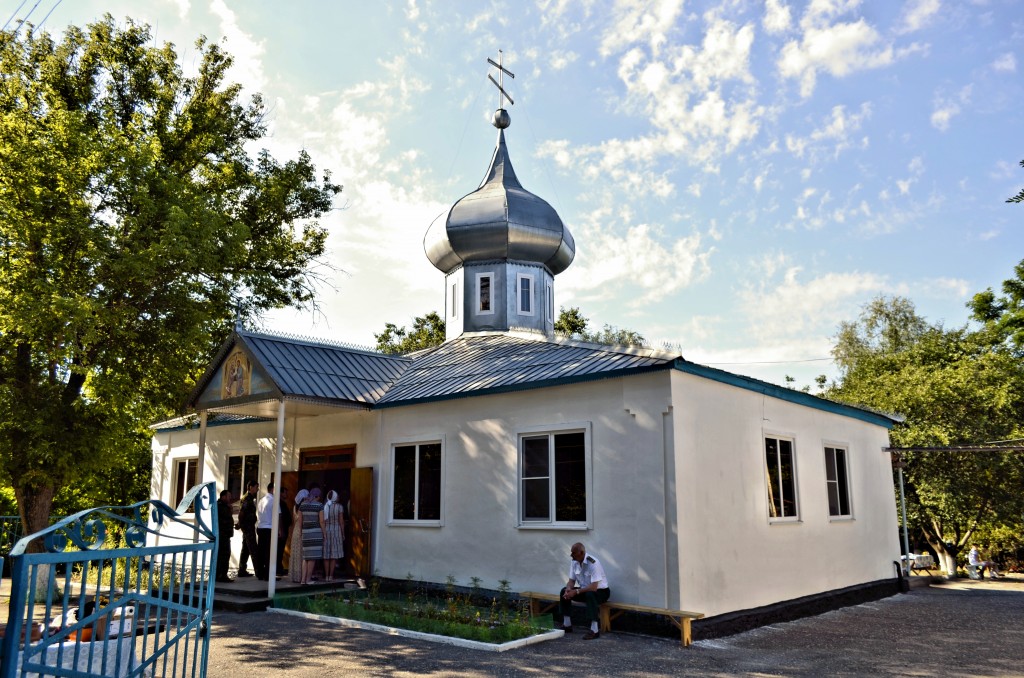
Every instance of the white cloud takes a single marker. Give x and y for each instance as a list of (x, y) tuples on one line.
[(1005, 63), (777, 17), (560, 60), (838, 49), (917, 15), (833, 136), (640, 22), (641, 258), (247, 69), (946, 108)]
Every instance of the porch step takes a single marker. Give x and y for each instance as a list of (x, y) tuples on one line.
[(248, 594)]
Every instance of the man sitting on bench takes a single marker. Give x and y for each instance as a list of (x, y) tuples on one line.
[(974, 559), (587, 583)]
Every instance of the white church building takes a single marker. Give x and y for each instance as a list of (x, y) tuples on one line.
[(489, 455)]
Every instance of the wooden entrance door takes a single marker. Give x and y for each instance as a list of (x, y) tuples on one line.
[(360, 521)]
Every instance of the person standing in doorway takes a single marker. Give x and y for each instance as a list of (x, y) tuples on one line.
[(312, 534), (225, 528), (284, 531), (334, 534), (295, 569), (247, 524), (264, 527)]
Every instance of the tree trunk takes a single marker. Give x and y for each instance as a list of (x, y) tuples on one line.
[(947, 557), (34, 509)]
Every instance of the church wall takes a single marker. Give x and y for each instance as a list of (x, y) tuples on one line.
[(731, 556), (479, 536)]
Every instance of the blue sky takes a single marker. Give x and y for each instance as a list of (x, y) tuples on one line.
[(739, 176)]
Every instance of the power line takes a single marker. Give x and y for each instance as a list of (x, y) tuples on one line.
[(40, 24), (14, 14)]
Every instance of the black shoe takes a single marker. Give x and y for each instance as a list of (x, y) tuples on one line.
[(567, 629), (244, 574), (225, 580), (591, 635)]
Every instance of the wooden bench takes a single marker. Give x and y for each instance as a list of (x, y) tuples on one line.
[(541, 603)]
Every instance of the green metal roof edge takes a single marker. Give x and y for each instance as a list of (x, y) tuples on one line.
[(788, 394), (527, 386)]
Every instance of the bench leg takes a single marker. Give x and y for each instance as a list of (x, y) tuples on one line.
[(606, 620)]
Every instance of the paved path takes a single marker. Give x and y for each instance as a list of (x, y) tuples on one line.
[(963, 628)]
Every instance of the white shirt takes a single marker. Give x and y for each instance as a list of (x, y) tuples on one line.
[(589, 571), (265, 512), (974, 557)]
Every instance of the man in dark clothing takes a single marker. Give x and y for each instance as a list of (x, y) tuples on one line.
[(247, 524), (225, 526)]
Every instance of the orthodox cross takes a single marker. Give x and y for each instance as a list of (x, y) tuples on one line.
[(502, 71)]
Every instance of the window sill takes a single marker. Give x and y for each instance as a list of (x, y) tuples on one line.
[(415, 523), (785, 521), (565, 527), (840, 519)]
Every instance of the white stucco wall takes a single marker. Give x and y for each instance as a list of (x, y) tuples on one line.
[(731, 556), (678, 493)]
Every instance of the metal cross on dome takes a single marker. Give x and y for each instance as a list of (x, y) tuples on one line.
[(502, 71)]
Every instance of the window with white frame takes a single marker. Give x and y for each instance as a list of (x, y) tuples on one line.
[(484, 293), (416, 482), (780, 471), (553, 475), (524, 296), (184, 479), (837, 481)]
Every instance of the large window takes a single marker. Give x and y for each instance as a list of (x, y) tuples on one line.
[(241, 469), (780, 468), (184, 478), (553, 478), (837, 481), (416, 482)]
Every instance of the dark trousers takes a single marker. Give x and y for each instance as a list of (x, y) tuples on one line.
[(223, 556), (263, 563), (593, 599), (250, 549)]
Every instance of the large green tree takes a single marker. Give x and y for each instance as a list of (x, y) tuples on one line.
[(134, 227), (955, 387), (426, 331)]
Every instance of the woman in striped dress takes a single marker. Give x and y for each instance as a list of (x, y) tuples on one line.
[(312, 534), (334, 534)]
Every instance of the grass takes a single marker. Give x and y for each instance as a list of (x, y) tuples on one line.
[(457, 615)]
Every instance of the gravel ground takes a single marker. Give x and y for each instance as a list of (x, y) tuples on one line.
[(962, 628)]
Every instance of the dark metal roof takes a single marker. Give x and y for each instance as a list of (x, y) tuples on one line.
[(319, 370), (492, 363)]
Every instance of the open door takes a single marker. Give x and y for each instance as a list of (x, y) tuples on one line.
[(360, 521), (289, 479)]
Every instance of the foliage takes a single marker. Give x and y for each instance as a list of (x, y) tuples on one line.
[(427, 331), (1020, 196), (456, 614), (135, 227), (954, 387), (572, 323), (1004, 316)]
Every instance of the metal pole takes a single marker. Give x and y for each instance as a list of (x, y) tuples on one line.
[(276, 506), (903, 511)]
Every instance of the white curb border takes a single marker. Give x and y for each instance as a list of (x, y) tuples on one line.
[(419, 635)]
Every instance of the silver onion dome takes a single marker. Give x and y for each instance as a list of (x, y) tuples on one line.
[(500, 220)]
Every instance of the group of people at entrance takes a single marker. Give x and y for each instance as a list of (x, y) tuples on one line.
[(315, 531)]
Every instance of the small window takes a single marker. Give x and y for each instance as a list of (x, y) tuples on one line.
[(550, 298), (837, 481), (780, 469), (524, 298), (184, 479), (553, 478), (484, 303), (455, 299), (416, 482)]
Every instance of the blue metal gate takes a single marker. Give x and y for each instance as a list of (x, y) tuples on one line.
[(115, 593)]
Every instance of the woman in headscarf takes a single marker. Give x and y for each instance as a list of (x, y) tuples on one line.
[(312, 534), (295, 564), (334, 534)]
